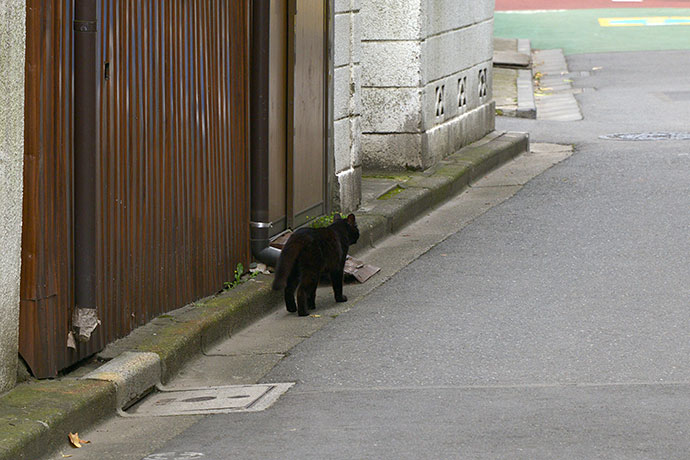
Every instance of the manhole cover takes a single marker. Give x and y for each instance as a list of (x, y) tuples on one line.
[(657, 136), (210, 400)]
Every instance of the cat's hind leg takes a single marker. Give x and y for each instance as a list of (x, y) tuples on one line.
[(290, 287), (306, 294), (312, 299), (337, 282)]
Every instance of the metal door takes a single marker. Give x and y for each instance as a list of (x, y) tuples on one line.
[(298, 70), (308, 109)]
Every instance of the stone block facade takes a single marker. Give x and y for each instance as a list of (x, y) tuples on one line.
[(425, 79), (347, 104), (12, 48)]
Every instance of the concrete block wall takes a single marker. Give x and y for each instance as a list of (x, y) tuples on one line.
[(426, 79), (12, 51), (347, 104)]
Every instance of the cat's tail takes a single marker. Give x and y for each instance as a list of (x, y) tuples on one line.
[(287, 259)]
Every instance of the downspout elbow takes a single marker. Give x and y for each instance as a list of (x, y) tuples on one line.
[(260, 245)]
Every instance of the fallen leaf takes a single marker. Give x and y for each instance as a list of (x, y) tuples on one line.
[(315, 316), (597, 68), (76, 441), (66, 456)]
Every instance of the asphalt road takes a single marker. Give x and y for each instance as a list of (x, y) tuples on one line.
[(554, 326)]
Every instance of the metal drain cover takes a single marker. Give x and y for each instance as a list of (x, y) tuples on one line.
[(655, 136), (209, 400)]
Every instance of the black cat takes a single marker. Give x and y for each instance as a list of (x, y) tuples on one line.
[(307, 253)]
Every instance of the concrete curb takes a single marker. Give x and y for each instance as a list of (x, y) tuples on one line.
[(36, 416), (516, 98), (526, 106), (132, 373)]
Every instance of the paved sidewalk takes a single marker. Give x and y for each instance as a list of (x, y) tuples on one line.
[(37, 416)]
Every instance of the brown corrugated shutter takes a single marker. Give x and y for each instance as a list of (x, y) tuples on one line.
[(172, 168), (46, 283)]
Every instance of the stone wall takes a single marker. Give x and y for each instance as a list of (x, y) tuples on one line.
[(426, 79), (347, 106), (12, 50)]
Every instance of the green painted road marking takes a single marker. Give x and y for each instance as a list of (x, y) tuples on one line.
[(649, 21), (579, 31)]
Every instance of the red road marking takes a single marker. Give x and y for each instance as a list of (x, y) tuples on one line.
[(503, 5)]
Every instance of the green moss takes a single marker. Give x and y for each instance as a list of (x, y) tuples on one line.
[(324, 221), (395, 177), (391, 193)]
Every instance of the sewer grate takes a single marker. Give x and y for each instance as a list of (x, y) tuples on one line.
[(209, 400), (654, 136)]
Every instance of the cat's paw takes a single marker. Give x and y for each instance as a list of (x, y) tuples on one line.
[(341, 299)]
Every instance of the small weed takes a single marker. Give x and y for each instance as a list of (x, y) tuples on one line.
[(324, 221), (239, 271)]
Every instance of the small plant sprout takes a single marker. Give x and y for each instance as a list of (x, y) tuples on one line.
[(239, 271)]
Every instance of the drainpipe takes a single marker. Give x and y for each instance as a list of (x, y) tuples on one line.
[(85, 27), (259, 48)]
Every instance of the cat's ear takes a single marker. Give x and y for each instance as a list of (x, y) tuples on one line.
[(351, 219)]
